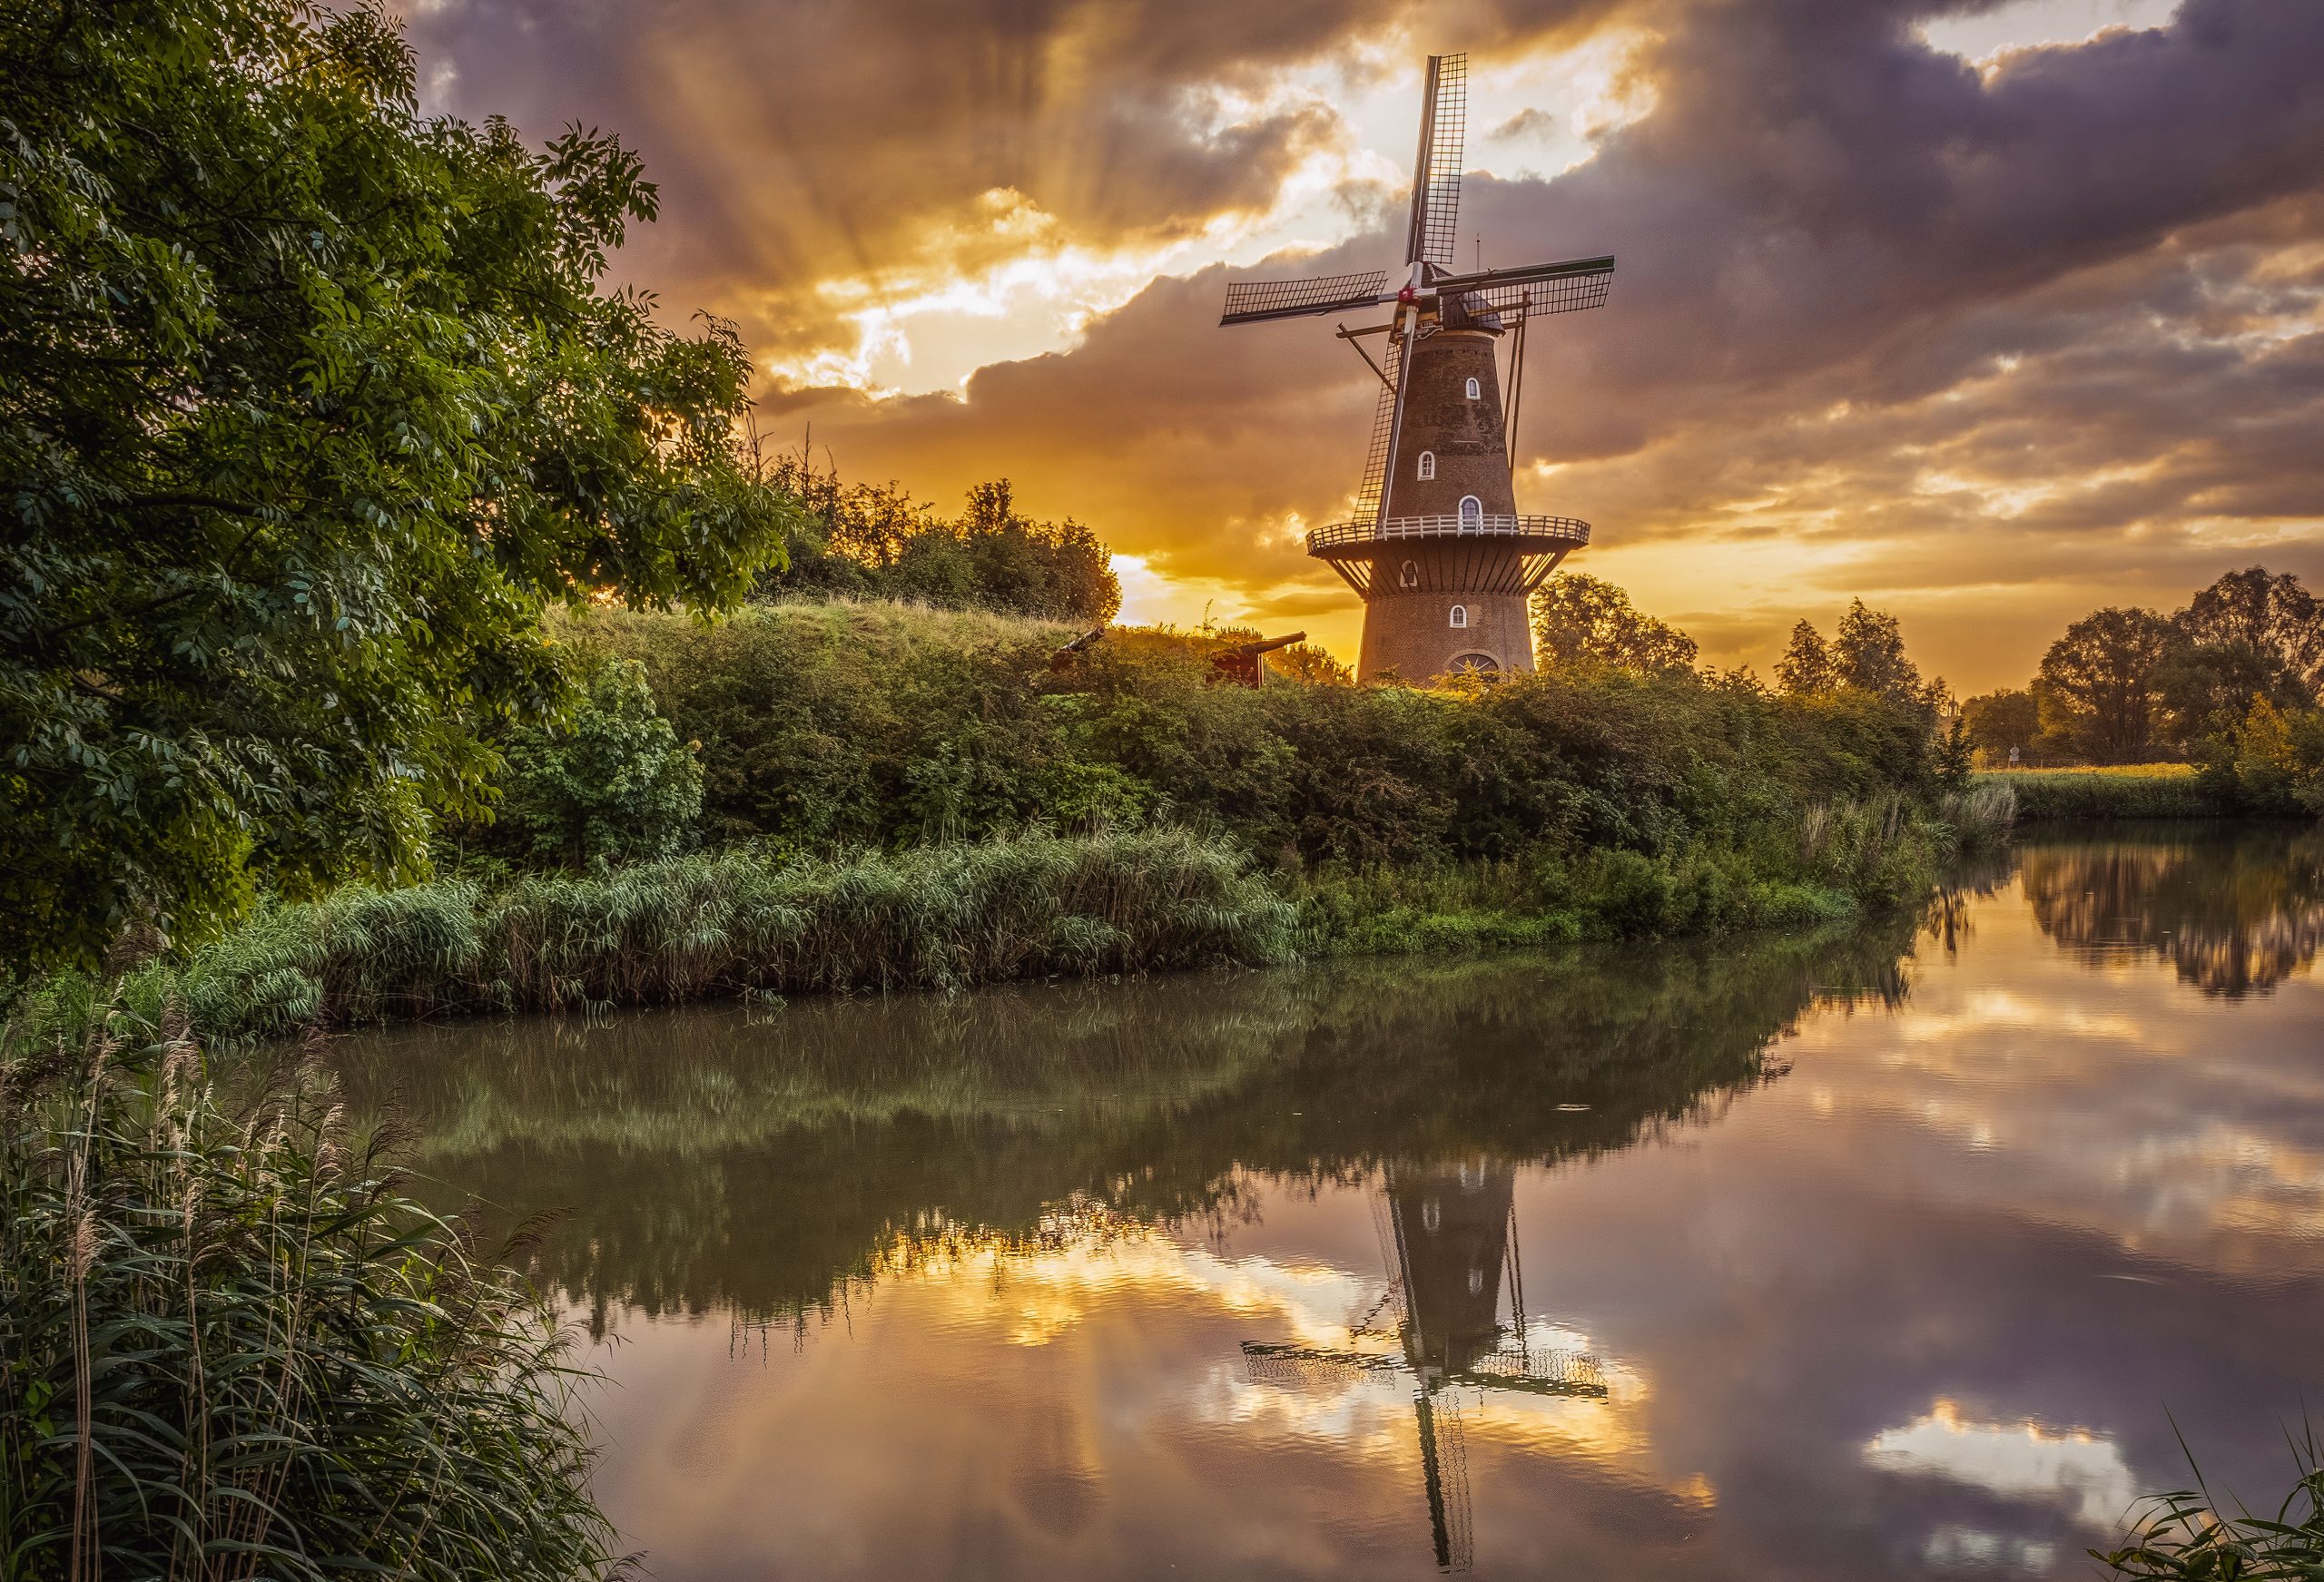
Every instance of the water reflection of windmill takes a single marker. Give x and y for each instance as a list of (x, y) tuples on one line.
[(1449, 1234)]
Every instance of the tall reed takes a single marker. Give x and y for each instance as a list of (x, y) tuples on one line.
[(230, 1349), (737, 922), (2185, 1535)]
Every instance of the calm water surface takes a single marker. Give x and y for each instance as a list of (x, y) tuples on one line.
[(1884, 1253)]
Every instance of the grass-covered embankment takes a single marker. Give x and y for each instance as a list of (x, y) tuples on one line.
[(744, 922), (2145, 790), (880, 786)]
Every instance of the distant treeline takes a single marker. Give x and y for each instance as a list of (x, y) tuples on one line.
[(2228, 684), (875, 541)]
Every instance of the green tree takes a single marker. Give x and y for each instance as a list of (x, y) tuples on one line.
[(1997, 722), (309, 405), (2274, 617), (612, 782), (2202, 691), (2098, 682), (1805, 668), (1579, 616), (1868, 653)]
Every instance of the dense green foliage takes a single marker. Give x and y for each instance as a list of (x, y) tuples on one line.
[(308, 403), (228, 1348), (611, 782), (878, 724), (740, 922), (875, 541)]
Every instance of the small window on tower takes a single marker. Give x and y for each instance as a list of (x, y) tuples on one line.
[(1459, 615), (1427, 465), (1475, 389), (1409, 577)]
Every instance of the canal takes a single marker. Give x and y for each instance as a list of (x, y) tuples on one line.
[(1887, 1251)]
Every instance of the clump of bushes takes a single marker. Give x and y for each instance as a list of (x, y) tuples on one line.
[(611, 782), (881, 724), (708, 925), (228, 1347)]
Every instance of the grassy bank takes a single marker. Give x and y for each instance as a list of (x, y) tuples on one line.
[(878, 785), (749, 923), (2147, 790), (738, 923)]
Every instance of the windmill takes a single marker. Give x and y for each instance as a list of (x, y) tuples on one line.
[(1437, 550), (1449, 1234)]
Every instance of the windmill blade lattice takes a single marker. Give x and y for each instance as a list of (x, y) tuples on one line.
[(1383, 432), (1500, 306), (1436, 174), (1254, 301)]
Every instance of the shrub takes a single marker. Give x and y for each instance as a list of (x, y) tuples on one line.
[(229, 1347), (613, 781)]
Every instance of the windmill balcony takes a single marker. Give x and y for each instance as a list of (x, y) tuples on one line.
[(1535, 534)]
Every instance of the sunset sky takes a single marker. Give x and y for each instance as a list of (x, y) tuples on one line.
[(1986, 313)]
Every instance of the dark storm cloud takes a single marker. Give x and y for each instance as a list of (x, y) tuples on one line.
[(1982, 328), (1819, 209)]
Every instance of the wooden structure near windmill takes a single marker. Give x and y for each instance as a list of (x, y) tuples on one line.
[(1436, 549)]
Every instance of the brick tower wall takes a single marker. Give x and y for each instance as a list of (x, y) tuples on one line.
[(1408, 618)]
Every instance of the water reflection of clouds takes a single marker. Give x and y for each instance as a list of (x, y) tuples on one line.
[(2075, 1468)]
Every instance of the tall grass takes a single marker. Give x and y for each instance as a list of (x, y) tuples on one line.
[(229, 1349), (2148, 791), (2184, 1535), (739, 922)]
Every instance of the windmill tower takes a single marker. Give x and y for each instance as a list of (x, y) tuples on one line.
[(1449, 1234), (1437, 550)]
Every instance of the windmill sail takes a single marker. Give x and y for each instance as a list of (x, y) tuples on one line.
[(1436, 170), (1254, 301), (1383, 432), (1498, 298)]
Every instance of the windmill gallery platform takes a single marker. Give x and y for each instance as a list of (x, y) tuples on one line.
[(1443, 561)]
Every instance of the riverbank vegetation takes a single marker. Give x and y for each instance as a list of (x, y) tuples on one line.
[(2228, 685), (229, 1346), (2185, 1535)]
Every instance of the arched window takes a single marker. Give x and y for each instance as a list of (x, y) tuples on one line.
[(1409, 577), (1427, 464), (1460, 614), (1475, 389), (1472, 512)]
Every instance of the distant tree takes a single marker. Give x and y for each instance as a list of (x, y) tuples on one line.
[(2202, 691), (1806, 667), (2272, 615), (2099, 682), (1997, 722), (875, 541), (309, 403), (1868, 653), (1304, 662), (1578, 616)]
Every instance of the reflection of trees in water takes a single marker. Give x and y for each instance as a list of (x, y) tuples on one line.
[(2232, 914), (714, 1161)]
